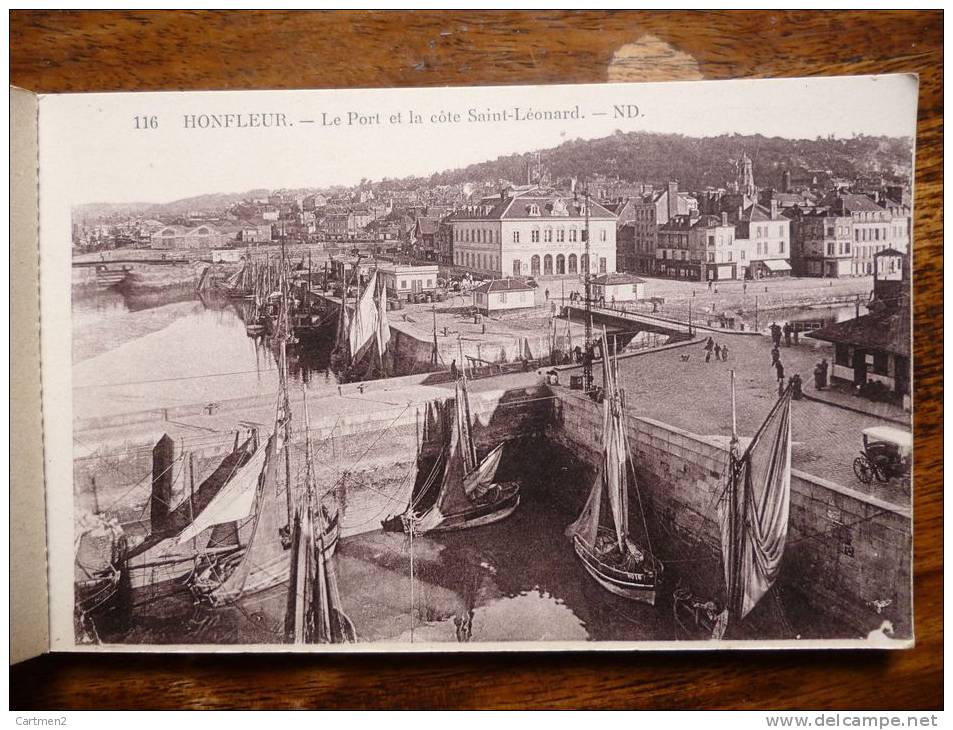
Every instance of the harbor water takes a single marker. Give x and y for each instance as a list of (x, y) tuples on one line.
[(516, 580)]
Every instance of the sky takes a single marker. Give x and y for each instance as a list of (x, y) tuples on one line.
[(92, 150)]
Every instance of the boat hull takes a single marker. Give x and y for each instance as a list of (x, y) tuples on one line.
[(478, 516), (205, 586), (639, 587)]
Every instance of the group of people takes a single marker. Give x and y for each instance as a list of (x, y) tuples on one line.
[(713, 348), (788, 331)]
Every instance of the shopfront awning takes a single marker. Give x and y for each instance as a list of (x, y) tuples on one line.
[(777, 265)]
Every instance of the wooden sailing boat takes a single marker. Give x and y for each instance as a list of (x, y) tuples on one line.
[(460, 490), (753, 514), (600, 535), (361, 347), (264, 528), (174, 548), (314, 614)]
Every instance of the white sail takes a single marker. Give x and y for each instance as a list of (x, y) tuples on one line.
[(364, 324), (234, 502)]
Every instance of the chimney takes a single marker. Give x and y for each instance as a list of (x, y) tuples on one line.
[(724, 218), (774, 208), (672, 198)]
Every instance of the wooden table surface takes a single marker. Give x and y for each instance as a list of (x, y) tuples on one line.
[(54, 51)]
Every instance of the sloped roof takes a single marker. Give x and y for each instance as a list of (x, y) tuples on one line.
[(887, 331), (549, 206), (426, 226), (615, 278), (507, 284)]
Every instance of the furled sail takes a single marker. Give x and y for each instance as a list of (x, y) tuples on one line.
[(754, 513), (612, 472), (234, 502), (383, 325)]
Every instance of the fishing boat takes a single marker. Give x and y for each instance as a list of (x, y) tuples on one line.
[(361, 343), (179, 542), (260, 515), (753, 515), (98, 549), (314, 612), (600, 535), (459, 490)]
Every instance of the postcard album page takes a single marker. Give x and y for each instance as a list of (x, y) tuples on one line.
[(615, 366)]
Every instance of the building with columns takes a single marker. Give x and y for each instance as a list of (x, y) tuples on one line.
[(532, 232)]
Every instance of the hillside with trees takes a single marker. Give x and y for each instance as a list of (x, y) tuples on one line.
[(696, 162)]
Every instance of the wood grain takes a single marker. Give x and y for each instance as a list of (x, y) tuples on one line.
[(125, 51)]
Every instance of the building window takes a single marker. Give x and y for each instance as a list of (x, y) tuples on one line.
[(560, 235), (560, 264), (429, 283), (517, 267), (534, 236), (516, 236), (603, 235), (781, 246), (534, 209), (584, 263), (573, 268), (548, 235), (403, 284), (572, 235), (548, 265), (534, 264)]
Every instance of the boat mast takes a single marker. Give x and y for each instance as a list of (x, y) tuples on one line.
[(735, 497), (587, 358)]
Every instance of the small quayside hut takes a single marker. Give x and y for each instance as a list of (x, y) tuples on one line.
[(503, 294)]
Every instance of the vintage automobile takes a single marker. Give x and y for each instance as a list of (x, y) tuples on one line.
[(886, 455)]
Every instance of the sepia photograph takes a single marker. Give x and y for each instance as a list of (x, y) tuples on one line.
[(598, 366)]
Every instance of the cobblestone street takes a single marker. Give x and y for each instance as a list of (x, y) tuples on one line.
[(695, 395)]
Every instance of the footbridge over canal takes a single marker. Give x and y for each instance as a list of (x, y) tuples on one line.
[(632, 323)]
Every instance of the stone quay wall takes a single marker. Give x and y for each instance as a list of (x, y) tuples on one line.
[(847, 553), (372, 454)]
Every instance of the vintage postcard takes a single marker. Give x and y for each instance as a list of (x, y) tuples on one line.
[(616, 366)]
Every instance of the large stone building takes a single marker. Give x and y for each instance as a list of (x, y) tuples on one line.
[(637, 238), (762, 241), (198, 237), (533, 232), (698, 248), (842, 236)]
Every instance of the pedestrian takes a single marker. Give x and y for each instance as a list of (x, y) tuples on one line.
[(787, 334), (776, 334), (709, 285), (744, 287), (717, 353), (724, 353), (453, 369), (796, 390), (710, 344), (547, 294), (779, 369), (578, 352), (775, 355), (824, 372)]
